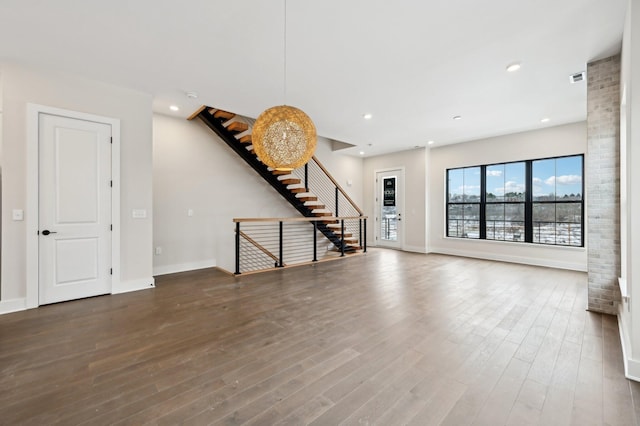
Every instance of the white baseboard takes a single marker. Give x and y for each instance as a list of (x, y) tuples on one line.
[(133, 285), (183, 267), (12, 305), (549, 263), (631, 366), (415, 249)]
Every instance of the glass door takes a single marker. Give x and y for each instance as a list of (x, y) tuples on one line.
[(389, 209)]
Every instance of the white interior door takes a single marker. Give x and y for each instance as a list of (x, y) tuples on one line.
[(389, 204), (74, 196)]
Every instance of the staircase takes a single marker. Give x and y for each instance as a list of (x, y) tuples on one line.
[(237, 135)]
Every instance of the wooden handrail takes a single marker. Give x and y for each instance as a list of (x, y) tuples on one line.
[(258, 246), (326, 172), (296, 219)]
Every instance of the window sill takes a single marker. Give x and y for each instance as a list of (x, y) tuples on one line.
[(518, 243)]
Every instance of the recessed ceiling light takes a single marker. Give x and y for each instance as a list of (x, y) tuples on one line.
[(545, 120), (513, 67), (367, 116), (457, 117), (174, 108), (430, 143), (361, 152)]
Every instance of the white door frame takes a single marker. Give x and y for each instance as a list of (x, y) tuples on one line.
[(32, 219), (376, 228)]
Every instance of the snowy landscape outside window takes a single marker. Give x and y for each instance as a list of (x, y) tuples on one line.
[(535, 201)]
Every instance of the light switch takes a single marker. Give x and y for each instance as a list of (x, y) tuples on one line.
[(18, 214), (190, 212), (139, 213)]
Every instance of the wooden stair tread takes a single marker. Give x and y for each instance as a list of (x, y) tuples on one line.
[(315, 206), (280, 172), (237, 127), (223, 115), (308, 198), (291, 181), (297, 190), (346, 234), (245, 139), (321, 214)]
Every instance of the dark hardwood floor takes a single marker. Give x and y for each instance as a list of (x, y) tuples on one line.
[(388, 338)]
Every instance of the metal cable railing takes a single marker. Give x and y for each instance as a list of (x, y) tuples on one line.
[(267, 243), (317, 181)]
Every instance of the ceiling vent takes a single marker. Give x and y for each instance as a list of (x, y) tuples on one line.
[(578, 77)]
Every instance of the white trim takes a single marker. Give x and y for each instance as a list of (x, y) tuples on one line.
[(415, 249), (631, 366), (33, 113), (525, 260), (183, 267), (133, 285), (12, 305), (375, 205)]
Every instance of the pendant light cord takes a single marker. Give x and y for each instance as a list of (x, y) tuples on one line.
[(284, 95)]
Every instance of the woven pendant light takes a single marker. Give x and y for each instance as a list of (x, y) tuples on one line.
[(284, 137)]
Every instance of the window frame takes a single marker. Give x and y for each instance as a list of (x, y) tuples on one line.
[(528, 202)]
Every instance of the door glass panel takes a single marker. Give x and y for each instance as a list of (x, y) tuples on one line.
[(389, 213)]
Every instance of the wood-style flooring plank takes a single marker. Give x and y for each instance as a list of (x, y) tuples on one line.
[(387, 338)]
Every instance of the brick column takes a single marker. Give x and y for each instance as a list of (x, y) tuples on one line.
[(603, 184)]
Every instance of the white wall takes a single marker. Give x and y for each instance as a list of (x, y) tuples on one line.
[(22, 85), (194, 169), (629, 309), (344, 169), (554, 141), (414, 163)]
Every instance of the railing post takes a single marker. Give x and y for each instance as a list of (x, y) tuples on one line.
[(365, 235), (337, 194), (360, 231), (237, 248), (342, 238), (306, 177), (315, 240), (281, 250)]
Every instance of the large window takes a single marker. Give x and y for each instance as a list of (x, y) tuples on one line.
[(463, 210), (557, 201), (535, 201), (505, 198)]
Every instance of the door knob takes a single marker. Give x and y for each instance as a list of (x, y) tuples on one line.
[(47, 232)]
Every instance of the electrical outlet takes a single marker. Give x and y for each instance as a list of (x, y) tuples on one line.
[(139, 213), (190, 212), (158, 251)]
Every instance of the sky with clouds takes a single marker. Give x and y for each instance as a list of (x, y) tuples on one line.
[(559, 176)]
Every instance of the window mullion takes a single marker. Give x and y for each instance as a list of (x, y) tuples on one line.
[(483, 203), (528, 203)]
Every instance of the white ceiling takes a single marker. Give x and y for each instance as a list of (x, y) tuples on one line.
[(413, 64)]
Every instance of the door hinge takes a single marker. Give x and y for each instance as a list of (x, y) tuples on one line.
[(111, 271), (111, 183), (111, 139), (110, 227)]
